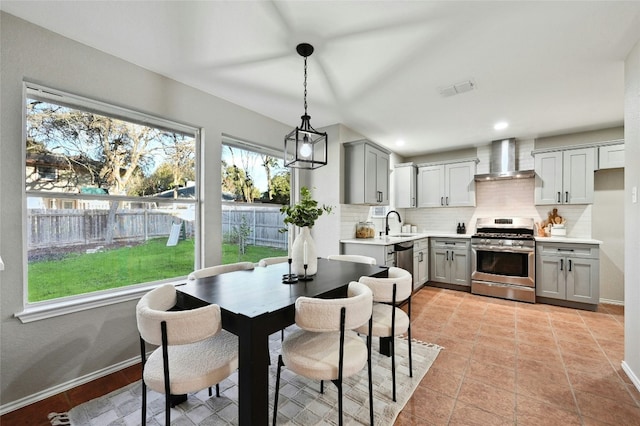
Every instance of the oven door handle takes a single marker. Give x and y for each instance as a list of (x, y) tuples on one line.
[(502, 249)]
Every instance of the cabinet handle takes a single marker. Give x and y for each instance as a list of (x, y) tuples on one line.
[(564, 249), (442, 201), (413, 201), (561, 264), (559, 199), (566, 197), (447, 198), (447, 255), (569, 265), (420, 259)]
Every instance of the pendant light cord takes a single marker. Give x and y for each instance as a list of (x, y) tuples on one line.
[(305, 85)]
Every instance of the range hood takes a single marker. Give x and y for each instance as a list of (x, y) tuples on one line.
[(503, 162)]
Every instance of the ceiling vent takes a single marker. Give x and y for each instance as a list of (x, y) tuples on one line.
[(455, 89)]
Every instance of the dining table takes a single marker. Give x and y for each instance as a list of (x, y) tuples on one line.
[(257, 303)]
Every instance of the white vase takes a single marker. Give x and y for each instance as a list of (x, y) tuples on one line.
[(298, 253)]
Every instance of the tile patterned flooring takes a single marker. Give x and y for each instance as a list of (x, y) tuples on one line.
[(504, 363)]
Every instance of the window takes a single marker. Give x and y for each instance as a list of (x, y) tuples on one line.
[(255, 184), (105, 189)]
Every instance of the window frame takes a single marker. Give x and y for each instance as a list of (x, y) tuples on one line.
[(34, 311)]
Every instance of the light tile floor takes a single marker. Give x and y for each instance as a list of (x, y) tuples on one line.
[(510, 363), (504, 362)]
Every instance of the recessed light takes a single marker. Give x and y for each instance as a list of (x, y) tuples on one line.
[(501, 125), (400, 142)]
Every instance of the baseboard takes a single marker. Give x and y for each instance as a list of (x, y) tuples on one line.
[(612, 302), (44, 394), (634, 379)]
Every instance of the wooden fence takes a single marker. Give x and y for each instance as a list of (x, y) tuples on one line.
[(70, 227)]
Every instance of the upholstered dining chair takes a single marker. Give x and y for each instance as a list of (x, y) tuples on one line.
[(193, 353), (388, 319), (220, 269), (272, 260), (326, 347), (353, 258)]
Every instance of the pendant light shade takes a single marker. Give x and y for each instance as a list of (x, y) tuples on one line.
[(305, 147)]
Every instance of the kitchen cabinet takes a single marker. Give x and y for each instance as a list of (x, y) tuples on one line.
[(447, 185), (568, 271), (450, 261), (405, 179), (366, 171), (565, 177), (420, 262), (611, 156), (383, 254)]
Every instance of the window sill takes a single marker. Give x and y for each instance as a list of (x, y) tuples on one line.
[(50, 309)]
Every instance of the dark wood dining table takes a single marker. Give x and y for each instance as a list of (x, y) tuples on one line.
[(255, 304)]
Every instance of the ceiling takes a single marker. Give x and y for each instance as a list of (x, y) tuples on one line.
[(379, 66)]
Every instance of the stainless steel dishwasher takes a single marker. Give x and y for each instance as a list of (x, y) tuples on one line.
[(404, 255)]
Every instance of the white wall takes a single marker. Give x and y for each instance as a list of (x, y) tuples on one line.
[(42, 356), (631, 362)]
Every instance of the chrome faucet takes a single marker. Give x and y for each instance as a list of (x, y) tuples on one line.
[(386, 221)]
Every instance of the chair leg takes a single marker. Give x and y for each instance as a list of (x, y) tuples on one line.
[(410, 356), (144, 403), (167, 408), (393, 366), (210, 392), (339, 386), (369, 339), (275, 402), (321, 386)]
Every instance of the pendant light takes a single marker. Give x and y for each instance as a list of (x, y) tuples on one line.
[(305, 147)]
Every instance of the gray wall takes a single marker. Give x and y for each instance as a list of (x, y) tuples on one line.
[(632, 213), (41, 355)]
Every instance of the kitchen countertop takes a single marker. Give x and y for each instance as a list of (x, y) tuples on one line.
[(568, 240), (401, 238)]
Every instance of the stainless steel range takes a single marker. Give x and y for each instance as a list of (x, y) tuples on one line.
[(503, 259)]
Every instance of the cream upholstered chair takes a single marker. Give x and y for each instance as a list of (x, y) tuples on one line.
[(194, 353), (220, 269), (272, 260), (353, 258), (326, 347), (388, 319)]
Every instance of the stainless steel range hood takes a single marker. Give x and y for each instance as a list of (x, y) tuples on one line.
[(503, 162)]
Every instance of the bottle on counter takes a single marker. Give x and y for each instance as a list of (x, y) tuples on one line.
[(459, 229), (463, 230)]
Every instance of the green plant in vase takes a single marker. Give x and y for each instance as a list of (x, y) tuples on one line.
[(304, 214)]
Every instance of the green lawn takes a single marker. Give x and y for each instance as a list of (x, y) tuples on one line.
[(151, 261)]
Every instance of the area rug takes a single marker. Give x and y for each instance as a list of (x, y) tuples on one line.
[(300, 401)]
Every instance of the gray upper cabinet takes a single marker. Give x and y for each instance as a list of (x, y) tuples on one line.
[(366, 172), (404, 179), (565, 177), (447, 185), (611, 156)]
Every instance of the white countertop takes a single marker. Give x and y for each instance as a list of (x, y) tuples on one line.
[(568, 240), (399, 238)]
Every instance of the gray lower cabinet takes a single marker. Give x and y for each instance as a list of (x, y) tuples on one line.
[(450, 261), (568, 272), (384, 255), (420, 262)]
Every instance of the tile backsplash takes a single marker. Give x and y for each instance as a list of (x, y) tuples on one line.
[(500, 198)]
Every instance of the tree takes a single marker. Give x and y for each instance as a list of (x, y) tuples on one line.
[(281, 187), (269, 162), (117, 154)]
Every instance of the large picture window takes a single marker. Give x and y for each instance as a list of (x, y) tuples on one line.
[(111, 196), (255, 184)]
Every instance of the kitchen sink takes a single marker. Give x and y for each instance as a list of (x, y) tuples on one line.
[(402, 234)]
